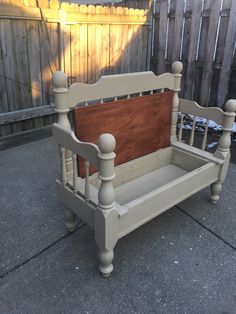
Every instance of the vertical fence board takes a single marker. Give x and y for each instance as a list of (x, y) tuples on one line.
[(171, 30), (210, 47), (75, 52), (8, 63), (46, 72), (162, 29), (3, 90), (34, 67), (83, 61), (228, 56), (178, 23), (91, 48), (190, 74)]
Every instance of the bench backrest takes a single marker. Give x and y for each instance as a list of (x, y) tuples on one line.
[(141, 125)]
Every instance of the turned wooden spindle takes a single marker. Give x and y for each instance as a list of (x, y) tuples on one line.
[(60, 91), (106, 144), (177, 68), (223, 149)]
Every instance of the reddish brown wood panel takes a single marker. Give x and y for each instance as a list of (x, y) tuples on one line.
[(141, 125)]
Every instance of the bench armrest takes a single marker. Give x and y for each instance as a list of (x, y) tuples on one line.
[(67, 139)]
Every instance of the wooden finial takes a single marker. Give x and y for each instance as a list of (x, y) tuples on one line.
[(106, 143), (59, 79), (177, 67), (231, 105)]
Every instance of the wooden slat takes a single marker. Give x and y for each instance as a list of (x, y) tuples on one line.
[(7, 38), (46, 72), (171, 31), (228, 56), (3, 90), (178, 23), (91, 48), (162, 29), (140, 125), (210, 48), (75, 52), (125, 29), (83, 61), (190, 75), (34, 67)]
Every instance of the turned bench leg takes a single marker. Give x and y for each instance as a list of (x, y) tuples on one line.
[(105, 259), (70, 219), (215, 191)]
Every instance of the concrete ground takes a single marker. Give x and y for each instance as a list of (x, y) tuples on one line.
[(184, 261)]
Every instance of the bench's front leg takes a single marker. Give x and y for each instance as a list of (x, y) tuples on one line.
[(105, 216), (223, 149)]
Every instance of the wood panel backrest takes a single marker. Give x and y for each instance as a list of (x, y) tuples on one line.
[(141, 125)]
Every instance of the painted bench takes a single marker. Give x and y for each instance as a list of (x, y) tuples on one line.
[(126, 164)]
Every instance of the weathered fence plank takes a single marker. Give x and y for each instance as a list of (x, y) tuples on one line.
[(228, 56), (34, 67), (209, 51), (162, 29), (178, 24), (195, 24)]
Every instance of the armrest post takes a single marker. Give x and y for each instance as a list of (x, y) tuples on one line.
[(177, 67), (105, 220), (106, 144), (228, 122), (60, 91), (223, 149)]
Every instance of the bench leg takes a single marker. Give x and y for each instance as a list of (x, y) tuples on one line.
[(105, 259), (215, 191), (70, 219)]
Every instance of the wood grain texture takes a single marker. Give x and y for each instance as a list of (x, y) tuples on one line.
[(140, 125)]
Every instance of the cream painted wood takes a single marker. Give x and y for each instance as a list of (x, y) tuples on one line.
[(165, 197), (177, 68), (209, 113), (60, 97), (66, 138), (118, 85), (204, 141), (116, 200), (223, 149), (75, 177), (76, 203), (106, 196)]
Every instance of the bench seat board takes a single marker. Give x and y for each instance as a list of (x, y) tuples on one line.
[(141, 125)]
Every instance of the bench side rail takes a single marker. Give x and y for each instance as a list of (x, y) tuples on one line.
[(223, 118), (118, 85)]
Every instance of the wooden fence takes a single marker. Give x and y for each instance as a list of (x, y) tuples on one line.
[(88, 41), (84, 41), (201, 33)]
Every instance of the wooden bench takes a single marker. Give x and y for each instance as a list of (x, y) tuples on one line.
[(126, 164)]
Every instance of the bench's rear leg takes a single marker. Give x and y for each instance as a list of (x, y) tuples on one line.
[(70, 219), (105, 260), (215, 191)]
